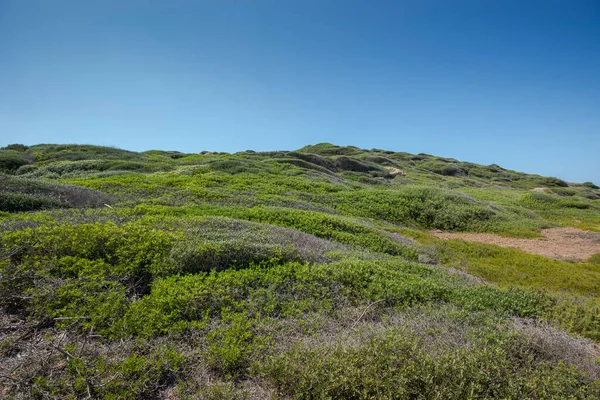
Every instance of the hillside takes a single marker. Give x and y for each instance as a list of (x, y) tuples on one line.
[(317, 273)]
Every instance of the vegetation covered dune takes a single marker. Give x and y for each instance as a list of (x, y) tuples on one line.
[(305, 274)]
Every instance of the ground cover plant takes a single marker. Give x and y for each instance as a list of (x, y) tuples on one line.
[(291, 274)]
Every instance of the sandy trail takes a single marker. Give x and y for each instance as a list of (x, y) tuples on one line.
[(560, 243)]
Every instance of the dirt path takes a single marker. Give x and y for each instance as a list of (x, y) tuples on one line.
[(560, 243)]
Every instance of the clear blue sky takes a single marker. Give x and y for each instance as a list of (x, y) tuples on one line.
[(515, 83)]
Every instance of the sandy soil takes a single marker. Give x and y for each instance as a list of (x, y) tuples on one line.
[(560, 243)]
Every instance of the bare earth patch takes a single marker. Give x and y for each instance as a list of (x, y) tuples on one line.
[(560, 243)]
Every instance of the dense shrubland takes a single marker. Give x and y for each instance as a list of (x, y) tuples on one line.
[(301, 274)]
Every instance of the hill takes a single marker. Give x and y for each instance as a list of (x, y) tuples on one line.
[(313, 273)]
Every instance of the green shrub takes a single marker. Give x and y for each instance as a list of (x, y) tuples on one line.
[(395, 364), (192, 257), (232, 345), (139, 375), (417, 206), (11, 160), (283, 274), (344, 163), (26, 169), (444, 168), (232, 166), (551, 181), (27, 202), (328, 149), (539, 200), (25, 194), (56, 262), (16, 147), (563, 192), (89, 303), (326, 226)]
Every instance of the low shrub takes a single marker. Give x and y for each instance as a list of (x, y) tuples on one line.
[(328, 149), (25, 194), (283, 274), (417, 206), (590, 185), (132, 372), (539, 200), (395, 364), (551, 182), (11, 160), (16, 147), (344, 163), (27, 202)]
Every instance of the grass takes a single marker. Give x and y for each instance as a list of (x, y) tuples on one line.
[(287, 275), (511, 267)]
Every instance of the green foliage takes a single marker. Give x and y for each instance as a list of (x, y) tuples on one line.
[(140, 375), (322, 225), (15, 146), (444, 168), (25, 202), (418, 206), (204, 257), (396, 364), (287, 274), (22, 194), (551, 181), (564, 192), (91, 303), (11, 160), (232, 345), (512, 267), (232, 166), (85, 270), (290, 290), (344, 163), (590, 185), (329, 149), (508, 267), (537, 200)]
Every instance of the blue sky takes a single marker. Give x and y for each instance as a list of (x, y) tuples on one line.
[(515, 83)]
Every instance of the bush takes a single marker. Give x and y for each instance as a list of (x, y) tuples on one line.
[(539, 200), (417, 206), (328, 149), (352, 164), (283, 274), (24, 194), (26, 169), (443, 168), (232, 166), (396, 364), (16, 147), (129, 372), (27, 202), (551, 182), (563, 192), (454, 170), (590, 185), (192, 257), (11, 160), (72, 268)]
